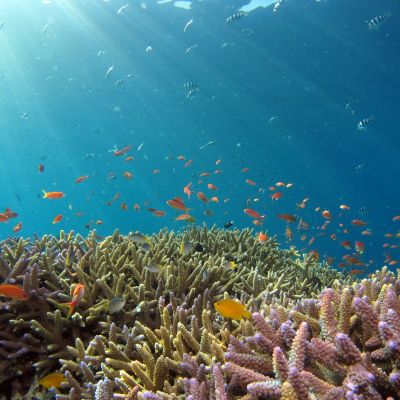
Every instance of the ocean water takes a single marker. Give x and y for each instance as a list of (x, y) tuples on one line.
[(280, 93)]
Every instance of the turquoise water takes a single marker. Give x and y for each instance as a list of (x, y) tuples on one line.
[(280, 93)]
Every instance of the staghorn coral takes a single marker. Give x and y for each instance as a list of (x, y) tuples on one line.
[(360, 363), (167, 329)]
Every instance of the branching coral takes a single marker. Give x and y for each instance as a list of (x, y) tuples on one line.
[(167, 327)]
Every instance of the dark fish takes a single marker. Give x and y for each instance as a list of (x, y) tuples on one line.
[(375, 23), (198, 247), (228, 224)]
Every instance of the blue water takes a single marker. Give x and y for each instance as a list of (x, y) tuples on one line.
[(273, 97)]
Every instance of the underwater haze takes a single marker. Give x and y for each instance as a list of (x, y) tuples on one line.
[(288, 111)]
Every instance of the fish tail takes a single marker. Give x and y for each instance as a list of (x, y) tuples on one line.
[(71, 306), (44, 193)]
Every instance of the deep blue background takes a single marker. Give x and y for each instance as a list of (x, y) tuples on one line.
[(300, 66)]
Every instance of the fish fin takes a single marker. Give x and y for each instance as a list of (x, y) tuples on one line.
[(71, 306)]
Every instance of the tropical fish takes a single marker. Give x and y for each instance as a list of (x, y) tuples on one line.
[(186, 248), (228, 265), (253, 213), (177, 203), (77, 295), (127, 175), (81, 178), (235, 17), (202, 197), (262, 237), (17, 227), (41, 168), (116, 304), (232, 309), (359, 222), (52, 195), (375, 23), (57, 219), (139, 238), (212, 187), (13, 291), (326, 214), (287, 217), (122, 151), (363, 124), (185, 217), (228, 224), (188, 25), (52, 380), (276, 196), (154, 267)]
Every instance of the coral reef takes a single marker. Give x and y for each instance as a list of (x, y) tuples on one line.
[(167, 341)]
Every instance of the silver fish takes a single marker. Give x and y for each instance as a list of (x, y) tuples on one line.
[(154, 267), (235, 17), (116, 304), (376, 22), (139, 238), (362, 125)]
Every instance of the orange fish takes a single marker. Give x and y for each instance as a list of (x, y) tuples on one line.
[(288, 233), (177, 203), (396, 218), (253, 213), (81, 178), (124, 206), (287, 217), (311, 241), (202, 197), (359, 247), (13, 291), (326, 214), (41, 168), (186, 189), (280, 184), (77, 295), (214, 199), (204, 174), (366, 233), (358, 222), (184, 217), (130, 158), (250, 182), (262, 237), (212, 187), (346, 244), (159, 213), (277, 195), (53, 195), (257, 222), (187, 163), (344, 207), (245, 169), (127, 175), (17, 227), (136, 207), (57, 219), (122, 151)]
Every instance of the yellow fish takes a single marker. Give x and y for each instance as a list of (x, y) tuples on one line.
[(52, 380), (229, 308)]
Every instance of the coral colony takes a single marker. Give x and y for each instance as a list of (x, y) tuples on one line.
[(201, 314)]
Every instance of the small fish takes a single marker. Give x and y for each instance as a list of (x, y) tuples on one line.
[(149, 49), (229, 265), (326, 214), (17, 227), (202, 197), (277, 6), (359, 246), (287, 217), (119, 82), (228, 224), (262, 237), (122, 9), (116, 304), (139, 238), (57, 219), (154, 267), (186, 248), (53, 195), (13, 291), (41, 168), (55, 379), (108, 72), (177, 203), (185, 217), (235, 17), (140, 146), (77, 295), (253, 213), (359, 222), (363, 124), (122, 151), (232, 309), (191, 86), (376, 22), (127, 175), (81, 179), (344, 207), (188, 25), (276, 195)]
